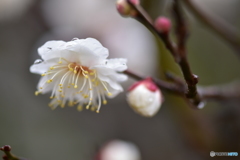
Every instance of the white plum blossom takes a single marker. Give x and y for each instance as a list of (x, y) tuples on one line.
[(78, 73), (145, 97)]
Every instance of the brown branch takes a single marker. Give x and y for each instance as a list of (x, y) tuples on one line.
[(224, 30), (145, 19), (230, 91), (8, 155), (179, 52), (164, 85), (182, 33)]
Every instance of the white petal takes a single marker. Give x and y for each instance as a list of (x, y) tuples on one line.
[(43, 67), (118, 64), (111, 82), (50, 49), (91, 45)]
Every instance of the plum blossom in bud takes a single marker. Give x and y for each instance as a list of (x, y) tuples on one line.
[(119, 150), (162, 24), (78, 73), (145, 97), (125, 9)]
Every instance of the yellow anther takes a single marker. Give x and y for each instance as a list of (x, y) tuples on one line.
[(90, 89), (75, 71), (59, 101), (50, 105), (60, 84), (97, 111), (90, 99), (60, 62), (74, 103), (93, 108), (59, 90), (51, 68), (51, 97), (75, 86), (37, 93), (62, 96), (40, 87), (79, 108), (69, 86), (93, 80), (91, 73), (71, 69), (72, 84), (109, 94), (87, 107), (70, 103), (62, 105), (86, 76), (86, 72), (49, 81), (43, 74), (104, 102), (85, 96), (61, 87)]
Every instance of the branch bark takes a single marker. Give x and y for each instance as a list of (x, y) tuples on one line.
[(217, 25)]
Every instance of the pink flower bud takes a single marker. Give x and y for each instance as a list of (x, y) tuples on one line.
[(162, 24), (125, 9), (145, 97), (119, 150)]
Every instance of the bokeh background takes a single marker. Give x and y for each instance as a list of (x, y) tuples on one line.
[(176, 132)]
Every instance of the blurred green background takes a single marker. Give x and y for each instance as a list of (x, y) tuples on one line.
[(177, 132)]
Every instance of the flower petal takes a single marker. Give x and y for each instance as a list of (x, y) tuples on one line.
[(91, 45), (43, 67), (50, 49)]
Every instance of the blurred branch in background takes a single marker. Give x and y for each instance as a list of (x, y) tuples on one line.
[(225, 92), (8, 155), (217, 25)]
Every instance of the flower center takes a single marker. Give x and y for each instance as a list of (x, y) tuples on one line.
[(74, 83)]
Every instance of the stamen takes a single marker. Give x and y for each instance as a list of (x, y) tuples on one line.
[(50, 80), (84, 83), (75, 86), (64, 78), (79, 108), (91, 94), (99, 102), (54, 91), (109, 93), (37, 93)]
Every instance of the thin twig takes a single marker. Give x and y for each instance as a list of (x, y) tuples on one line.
[(182, 33), (145, 19), (178, 53), (8, 155), (224, 30), (230, 91), (164, 85)]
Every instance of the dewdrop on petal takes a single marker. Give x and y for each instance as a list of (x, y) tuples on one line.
[(125, 9), (78, 73), (145, 97)]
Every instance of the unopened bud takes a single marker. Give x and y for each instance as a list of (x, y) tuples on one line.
[(145, 97), (7, 148), (119, 150), (125, 9), (162, 24)]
